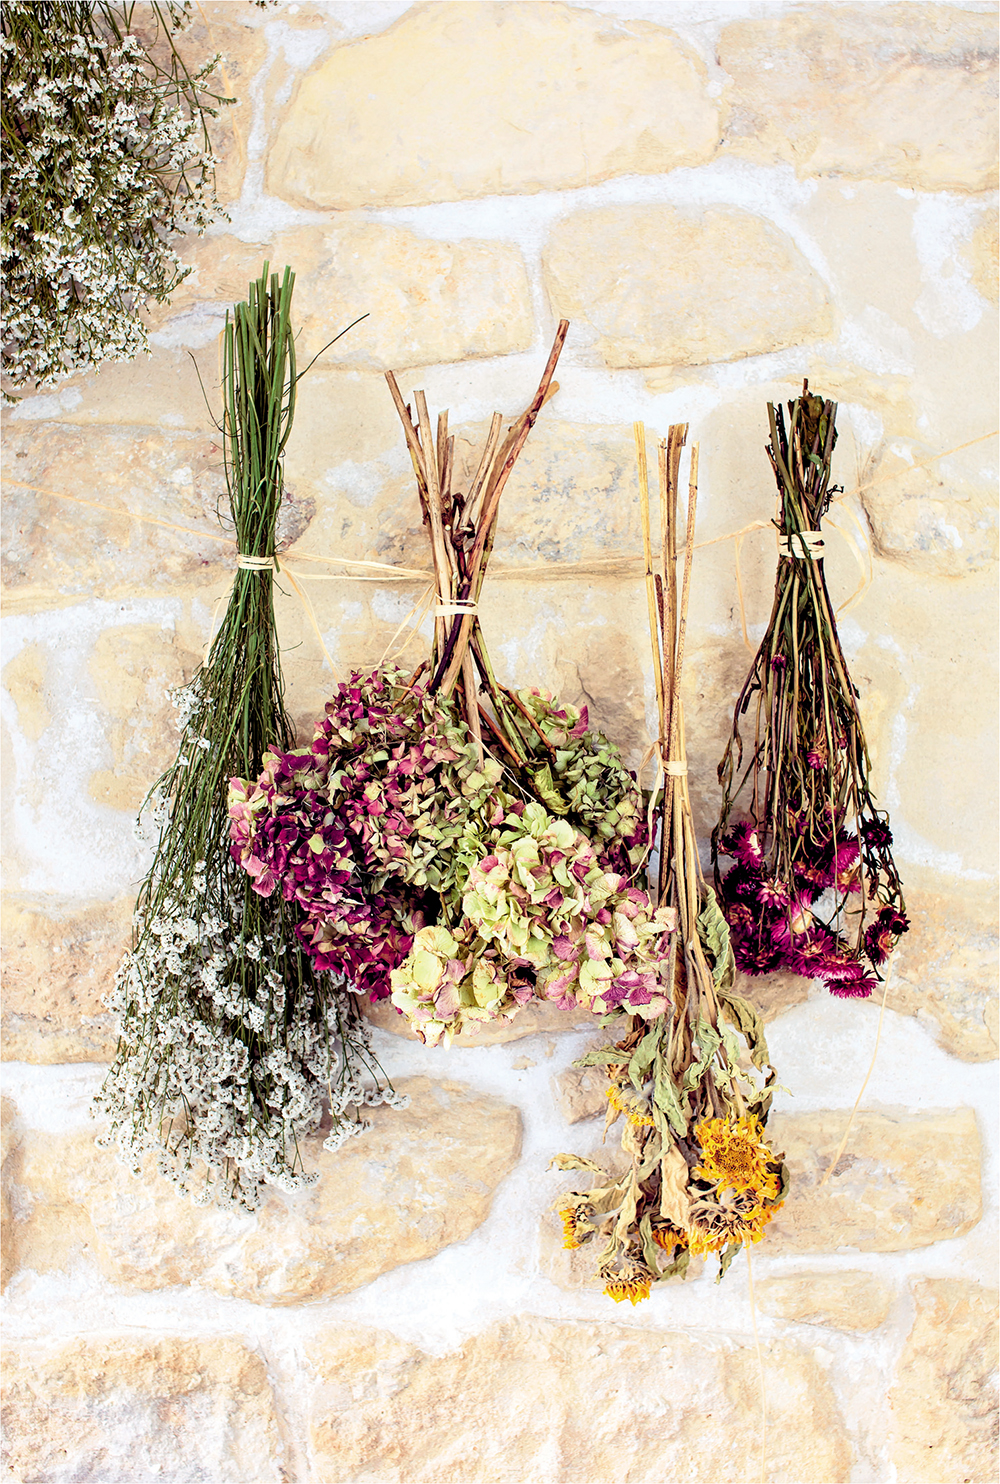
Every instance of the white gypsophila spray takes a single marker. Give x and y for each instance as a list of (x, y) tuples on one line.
[(107, 161)]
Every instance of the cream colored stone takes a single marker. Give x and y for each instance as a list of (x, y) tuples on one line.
[(905, 93), (9, 1163), (672, 285), (530, 1020), (944, 1398), (56, 549), (570, 1401), (773, 994), (137, 1407), (930, 517), (491, 99), (856, 1301), (24, 680), (161, 390), (982, 252), (580, 1092), (903, 1181), (134, 668), (425, 300), (945, 968), (59, 960), (416, 1181)]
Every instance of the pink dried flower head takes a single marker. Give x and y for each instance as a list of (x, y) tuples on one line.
[(881, 936)]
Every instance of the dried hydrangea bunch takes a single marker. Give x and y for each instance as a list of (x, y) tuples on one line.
[(230, 1040), (421, 868), (813, 886), (106, 158), (694, 1085)]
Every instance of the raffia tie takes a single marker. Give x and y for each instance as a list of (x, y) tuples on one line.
[(803, 545)]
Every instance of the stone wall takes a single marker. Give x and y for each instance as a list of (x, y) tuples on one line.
[(722, 198)]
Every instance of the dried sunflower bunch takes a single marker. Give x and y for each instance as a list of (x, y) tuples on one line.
[(813, 886), (106, 160), (694, 1086)]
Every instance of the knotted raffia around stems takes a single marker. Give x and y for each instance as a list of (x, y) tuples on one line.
[(229, 1039), (701, 1177), (814, 887)]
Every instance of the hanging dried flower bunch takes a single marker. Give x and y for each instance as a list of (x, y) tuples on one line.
[(813, 886), (230, 1038), (457, 845), (695, 1085), (107, 158)]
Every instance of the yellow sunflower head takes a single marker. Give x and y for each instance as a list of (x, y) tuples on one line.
[(735, 1157)]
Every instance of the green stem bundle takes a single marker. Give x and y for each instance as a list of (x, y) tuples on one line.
[(229, 1038)]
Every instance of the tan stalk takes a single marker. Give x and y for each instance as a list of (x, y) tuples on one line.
[(639, 433)]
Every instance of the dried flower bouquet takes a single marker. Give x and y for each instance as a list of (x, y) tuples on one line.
[(107, 161), (230, 1038), (694, 1086), (813, 887), (458, 845)]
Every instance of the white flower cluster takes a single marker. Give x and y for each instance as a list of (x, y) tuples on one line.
[(214, 1069), (105, 158)]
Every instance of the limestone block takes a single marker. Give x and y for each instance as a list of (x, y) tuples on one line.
[(55, 549), (135, 666), (139, 1407), (854, 1301), (576, 1402), (905, 93), (415, 1182), (935, 517), (982, 252), (59, 960), (773, 994), (426, 300), (580, 1092), (903, 1181), (9, 1162), (687, 286), (530, 1020), (491, 99), (159, 390), (24, 681), (944, 1398), (945, 967)]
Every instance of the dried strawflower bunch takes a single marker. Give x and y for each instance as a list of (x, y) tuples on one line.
[(230, 1039), (694, 1085), (106, 158), (813, 886), (458, 845)]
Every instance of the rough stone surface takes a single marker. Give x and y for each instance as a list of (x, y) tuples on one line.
[(930, 517), (945, 968), (24, 681), (607, 1403), (943, 1401), (415, 1182), (160, 390), (426, 300), (854, 1301), (9, 1144), (545, 97), (530, 1020), (580, 1092), (194, 1411), (982, 254), (134, 668), (56, 548), (59, 960), (905, 93), (903, 1181), (645, 282)]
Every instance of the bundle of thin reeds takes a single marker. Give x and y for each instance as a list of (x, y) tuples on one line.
[(701, 1177)]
